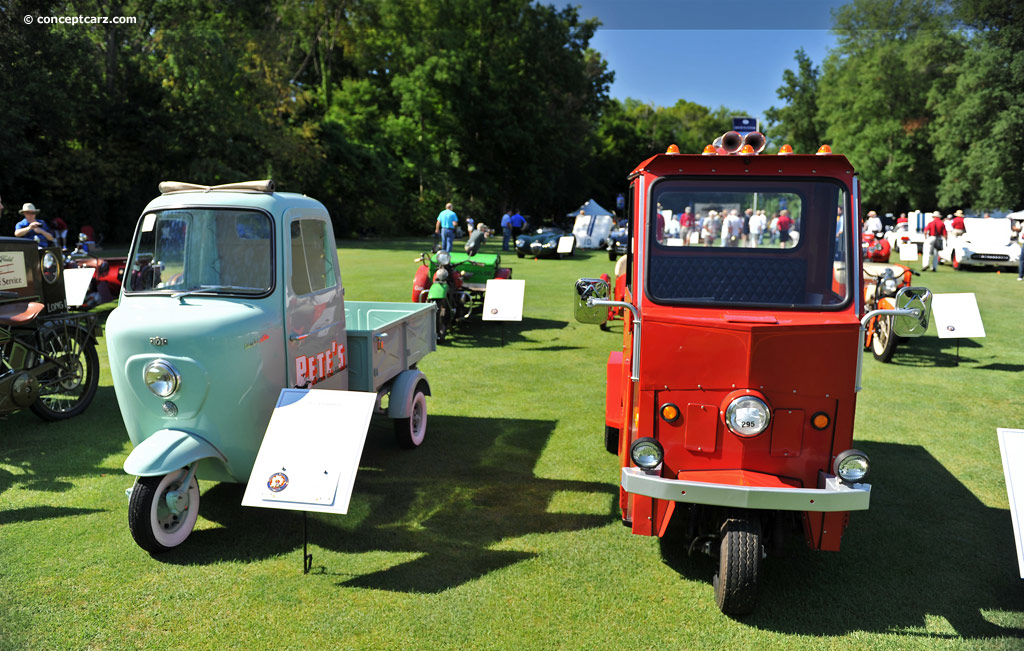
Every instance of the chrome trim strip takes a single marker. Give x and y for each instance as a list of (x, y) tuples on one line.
[(835, 496), (313, 332)]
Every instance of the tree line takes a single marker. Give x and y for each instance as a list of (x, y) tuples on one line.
[(923, 96), (386, 109)]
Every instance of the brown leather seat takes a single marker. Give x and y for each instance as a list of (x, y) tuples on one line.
[(12, 314)]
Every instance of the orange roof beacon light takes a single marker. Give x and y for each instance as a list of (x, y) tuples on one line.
[(672, 149), (824, 150), (747, 149), (785, 150), (709, 150)]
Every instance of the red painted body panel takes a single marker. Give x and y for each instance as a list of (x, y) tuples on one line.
[(802, 361)]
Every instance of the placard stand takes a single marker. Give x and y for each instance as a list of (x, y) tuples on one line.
[(956, 316), (307, 558)]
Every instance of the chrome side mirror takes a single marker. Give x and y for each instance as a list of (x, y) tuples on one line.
[(586, 289), (913, 298)]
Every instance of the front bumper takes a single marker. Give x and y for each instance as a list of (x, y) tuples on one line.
[(833, 496)]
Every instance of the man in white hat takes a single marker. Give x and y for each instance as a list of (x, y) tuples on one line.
[(33, 228), (934, 232)]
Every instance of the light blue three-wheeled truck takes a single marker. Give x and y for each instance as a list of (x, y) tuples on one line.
[(231, 294)]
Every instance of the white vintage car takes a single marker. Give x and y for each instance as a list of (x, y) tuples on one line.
[(985, 243)]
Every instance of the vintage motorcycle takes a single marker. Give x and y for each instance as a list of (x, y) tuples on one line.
[(108, 274), (48, 360), (881, 284)]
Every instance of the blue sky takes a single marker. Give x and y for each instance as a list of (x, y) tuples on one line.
[(715, 53)]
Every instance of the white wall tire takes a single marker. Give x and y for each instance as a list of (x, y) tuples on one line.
[(154, 526), (410, 432)]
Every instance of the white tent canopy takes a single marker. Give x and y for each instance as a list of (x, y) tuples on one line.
[(593, 226)]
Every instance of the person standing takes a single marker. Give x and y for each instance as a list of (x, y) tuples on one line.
[(506, 230), (1019, 227), (732, 229), (33, 228), (784, 225), (873, 224), (445, 225), (518, 224), (757, 225), (686, 224), (934, 231), (956, 225)]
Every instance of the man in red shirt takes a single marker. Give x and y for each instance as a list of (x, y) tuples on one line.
[(784, 225), (957, 225), (934, 233)]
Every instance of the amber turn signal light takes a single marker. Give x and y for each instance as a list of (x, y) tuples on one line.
[(819, 420), (669, 412)]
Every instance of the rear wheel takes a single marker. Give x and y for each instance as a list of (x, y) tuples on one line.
[(739, 566), (883, 343), (410, 432), (161, 513), (67, 389)]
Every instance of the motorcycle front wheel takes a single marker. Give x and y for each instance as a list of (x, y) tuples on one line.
[(67, 391), (883, 343), (441, 321)]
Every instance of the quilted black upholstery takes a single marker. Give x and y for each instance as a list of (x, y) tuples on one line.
[(728, 278)]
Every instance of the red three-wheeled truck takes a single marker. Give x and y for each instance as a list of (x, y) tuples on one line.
[(731, 402)]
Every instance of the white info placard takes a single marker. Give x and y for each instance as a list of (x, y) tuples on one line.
[(566, 244), (1011, 446), (956, 316), (504, 300), (908, 252), (76, 284), (310, 453)]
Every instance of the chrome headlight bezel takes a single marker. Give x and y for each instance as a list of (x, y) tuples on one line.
[(443, 258), (646, 453), (161, 378), (851, 466), (50, 267), (738, 414)]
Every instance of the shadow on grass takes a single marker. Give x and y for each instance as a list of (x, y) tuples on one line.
[(34, 513), (495, 334), (46, 453), (933, 352), (927, 548), (434, 512)]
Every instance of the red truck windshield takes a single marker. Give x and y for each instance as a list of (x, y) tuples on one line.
[(770, 243)]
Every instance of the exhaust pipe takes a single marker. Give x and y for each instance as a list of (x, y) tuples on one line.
[(756, 140), (728, 143)]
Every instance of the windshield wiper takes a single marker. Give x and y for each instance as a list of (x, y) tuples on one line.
[(211, 288)]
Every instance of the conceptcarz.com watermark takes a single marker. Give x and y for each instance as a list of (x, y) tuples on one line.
[(79, 20)]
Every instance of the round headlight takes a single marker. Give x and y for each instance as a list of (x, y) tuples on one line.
[(851, 466), (51, 267), (161, 377), (646, 453), (520, 242), (889, 286), (443, 258), (441, 275), (747, 416)]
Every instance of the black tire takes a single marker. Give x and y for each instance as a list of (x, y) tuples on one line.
[(612, 256), (883, 343), (410, 432), (611, 439), (154, 527), (739, 566), (520, 254), (67, 392), (953, 262)]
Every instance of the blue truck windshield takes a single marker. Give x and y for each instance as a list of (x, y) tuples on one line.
[(203, 250), (771, 243)]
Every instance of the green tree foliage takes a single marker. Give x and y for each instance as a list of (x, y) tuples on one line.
[(797, 122), (980, 139), (873, 94)]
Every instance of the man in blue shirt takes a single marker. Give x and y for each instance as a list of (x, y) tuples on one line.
[(506, 230), (518, 223), (33, 228), (446, 221)]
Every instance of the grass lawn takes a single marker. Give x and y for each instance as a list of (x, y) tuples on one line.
[(502, 530)]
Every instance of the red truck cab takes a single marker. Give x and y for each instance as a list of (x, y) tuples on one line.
[(732, 398)]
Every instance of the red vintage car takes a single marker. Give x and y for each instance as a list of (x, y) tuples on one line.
[(731, 401)]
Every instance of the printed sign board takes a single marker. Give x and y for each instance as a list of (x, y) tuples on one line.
[(744, 124), (504, 300), (908, 252), (1011, 447), (956, 316), (566, 244), (310, 452), (12, 270)]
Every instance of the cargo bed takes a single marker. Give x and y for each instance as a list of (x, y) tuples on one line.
[(385, 339)]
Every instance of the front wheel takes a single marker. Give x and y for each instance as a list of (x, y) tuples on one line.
[(883, 343), (410, 432), (161, 514), (67, 389), (441, 325), (739, 566)]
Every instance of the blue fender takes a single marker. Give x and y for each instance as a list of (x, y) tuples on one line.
[(168, 450), (400, 402)]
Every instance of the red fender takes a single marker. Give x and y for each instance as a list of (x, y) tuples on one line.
[(420, 284)]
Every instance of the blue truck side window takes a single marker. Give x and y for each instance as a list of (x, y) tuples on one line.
[(312, 262)]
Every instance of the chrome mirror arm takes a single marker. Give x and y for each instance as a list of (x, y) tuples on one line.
[(634, 372)]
